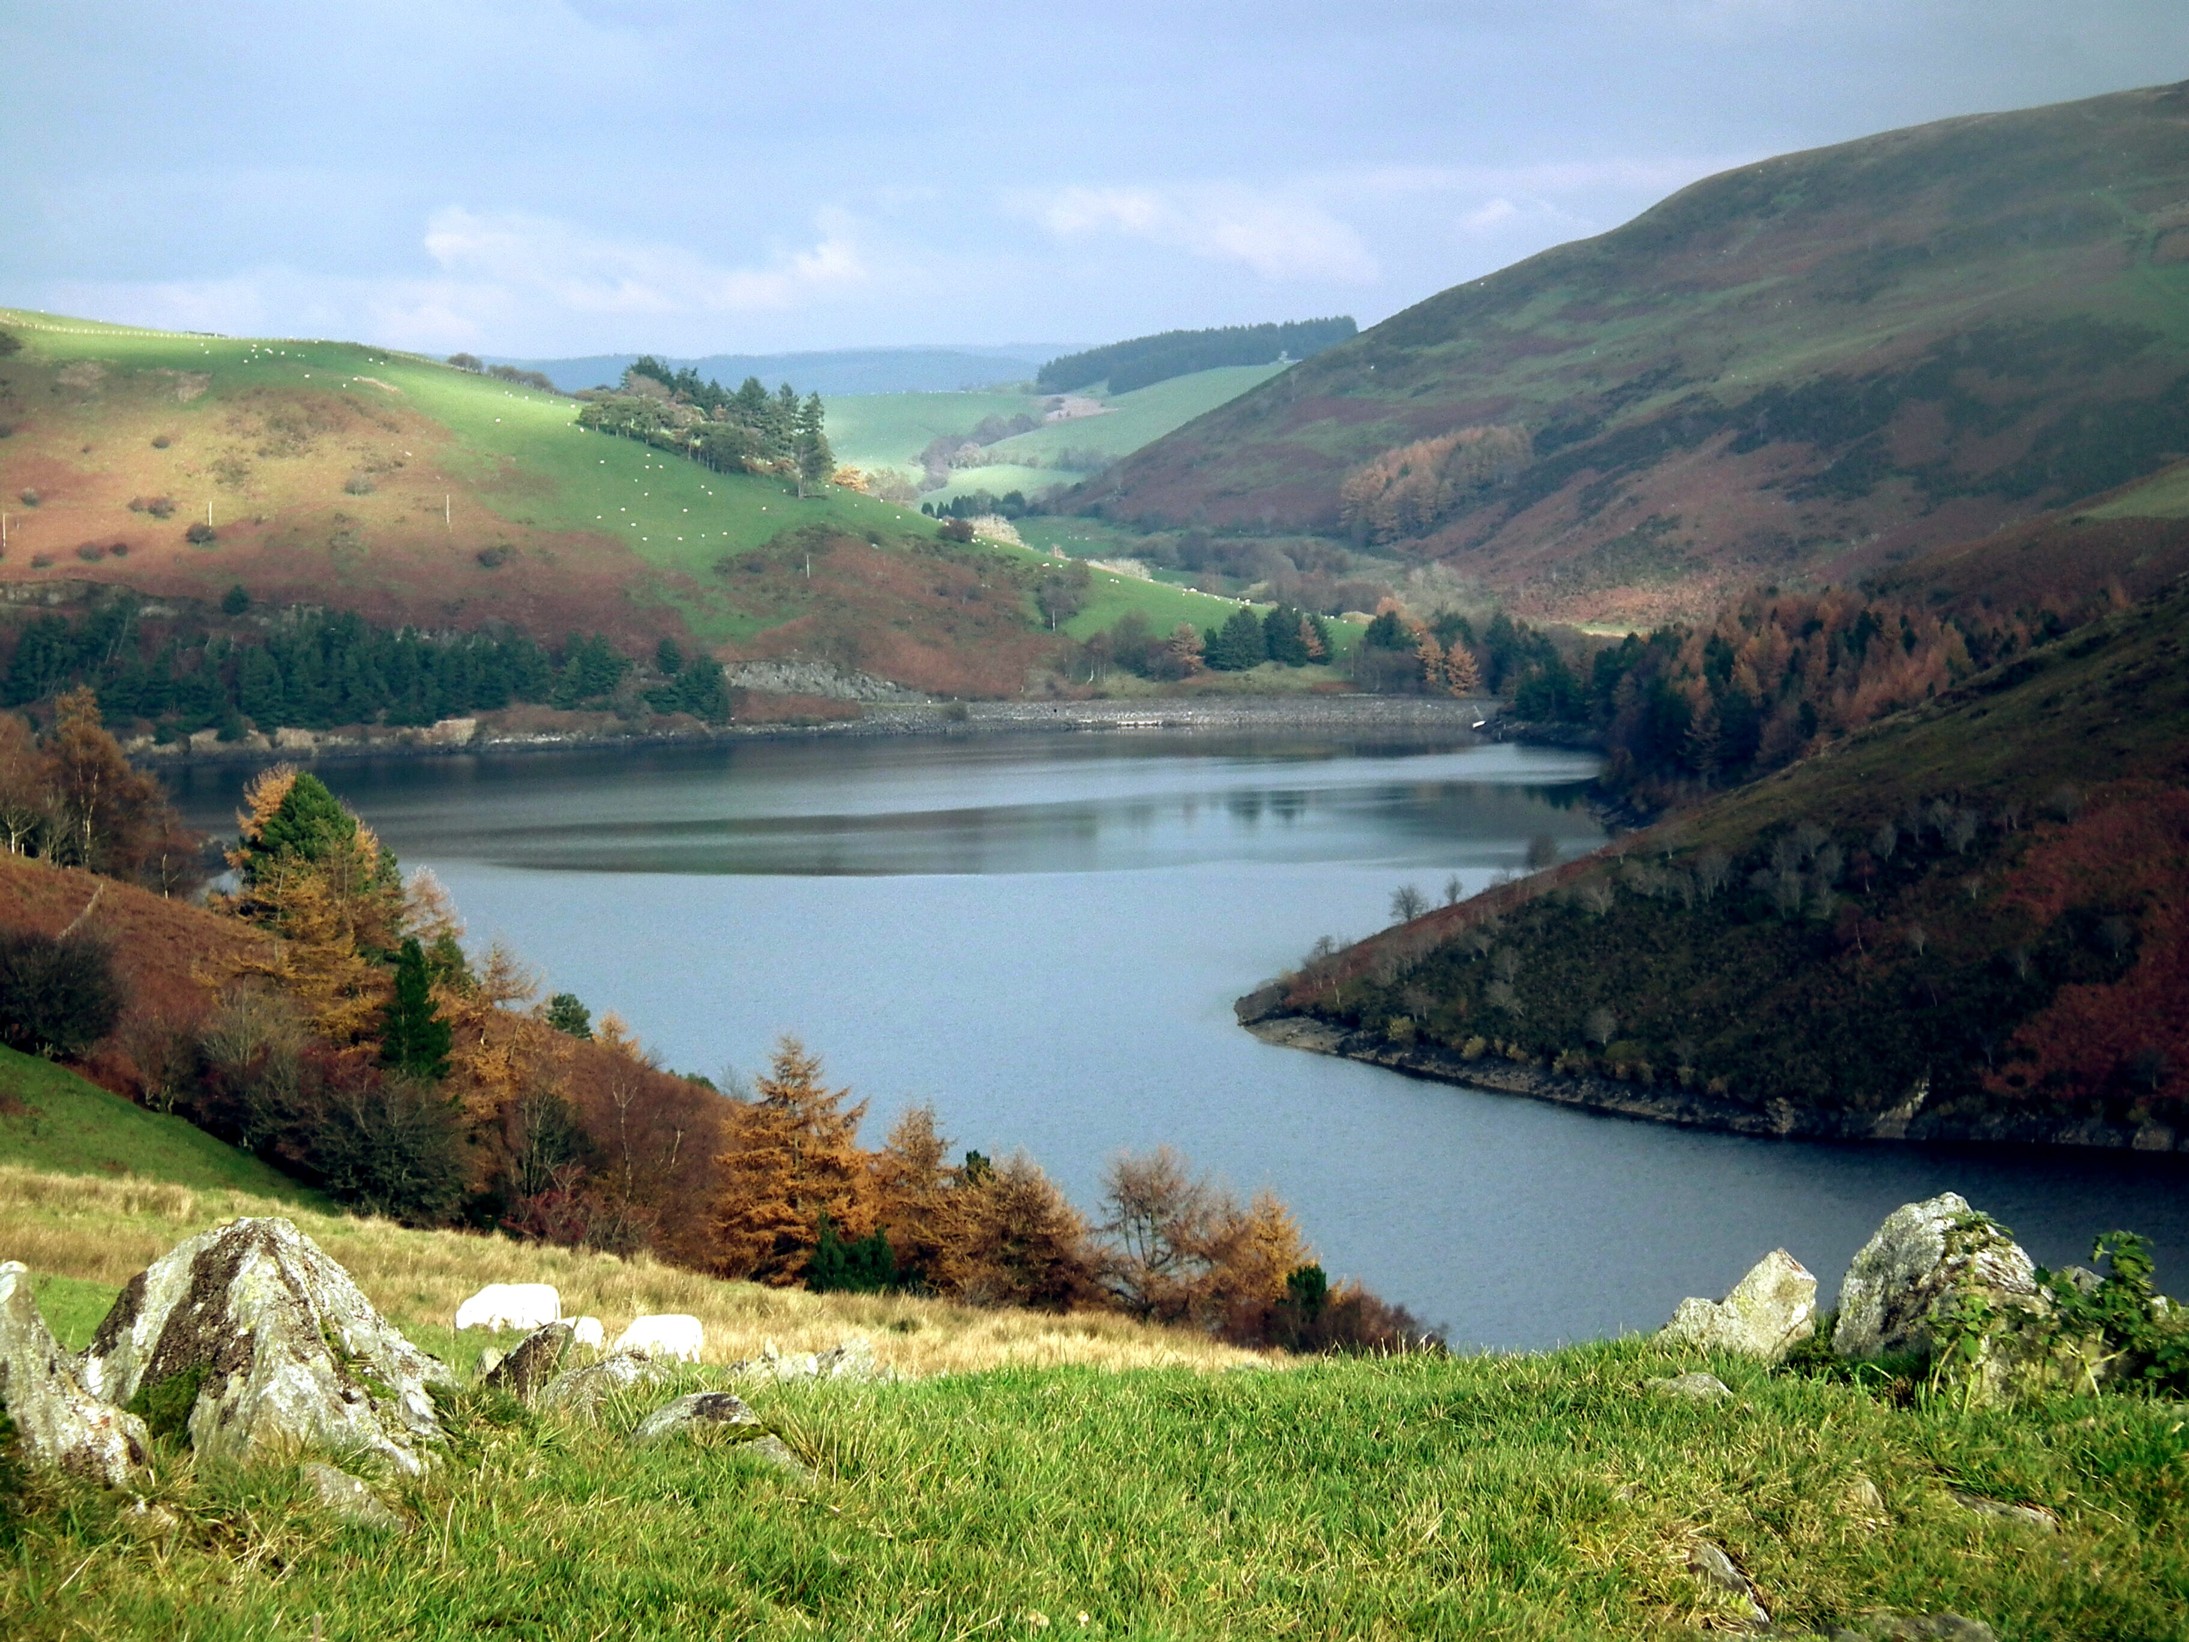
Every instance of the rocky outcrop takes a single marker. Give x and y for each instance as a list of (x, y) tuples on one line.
[(1710, 1563), (349, 1499), (1923, 1253), (271, 1347), (58, 1424), (708, 1412), (1770, 1311)]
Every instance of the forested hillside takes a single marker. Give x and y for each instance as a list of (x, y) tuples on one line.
[(1808, 367), (1143, 361), (1966, 919)]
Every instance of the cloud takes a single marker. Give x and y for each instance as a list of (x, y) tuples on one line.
[(1280, 236), (590, 273)]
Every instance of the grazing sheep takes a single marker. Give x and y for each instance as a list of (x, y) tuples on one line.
[(586, 1331), (668, 1334), (511, 1305)]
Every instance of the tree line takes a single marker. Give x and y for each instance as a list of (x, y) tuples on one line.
[(1144, 360), (358, 1045), (746, 430), (318, 669)]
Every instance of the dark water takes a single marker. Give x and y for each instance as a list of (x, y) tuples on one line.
[(1043, 936)]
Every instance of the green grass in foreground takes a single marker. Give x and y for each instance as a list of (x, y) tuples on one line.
[(1540, 1496), (53, 1119)]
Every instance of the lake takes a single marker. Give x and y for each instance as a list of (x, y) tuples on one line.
[(1042, 935)]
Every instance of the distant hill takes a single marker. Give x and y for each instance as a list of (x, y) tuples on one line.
[(414, 494), (830, 372), (1966, 920), (1144, 361), (1806, 368)]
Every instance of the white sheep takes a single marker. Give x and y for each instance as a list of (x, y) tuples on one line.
[(667, 1334), (586, 1331), (511, 1305)]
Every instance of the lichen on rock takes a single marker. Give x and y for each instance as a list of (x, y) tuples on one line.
[(1769, 1311), (285, 1350), (59, 1425)]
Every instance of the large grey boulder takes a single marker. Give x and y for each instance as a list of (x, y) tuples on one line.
[(58, 1424), (283, 1349), (1922, 1254), (1770, 1311)]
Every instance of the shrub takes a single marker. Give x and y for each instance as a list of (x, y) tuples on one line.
[(161, 442), (492, 558), (389, 1146), (956, 530), (29, 498), (200, 534), (358, 484), (91, 552), (58, 997)]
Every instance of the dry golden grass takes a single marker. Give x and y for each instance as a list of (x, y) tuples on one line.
[(106, 1231)]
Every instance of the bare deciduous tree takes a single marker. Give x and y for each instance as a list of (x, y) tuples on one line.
[(1407, 904)]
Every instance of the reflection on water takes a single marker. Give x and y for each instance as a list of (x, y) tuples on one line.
[(1042, 935)]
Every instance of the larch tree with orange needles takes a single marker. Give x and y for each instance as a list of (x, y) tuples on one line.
[(791, 1156)]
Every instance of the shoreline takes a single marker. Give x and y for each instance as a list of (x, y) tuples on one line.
[(1473, 717), (1687, 1108)]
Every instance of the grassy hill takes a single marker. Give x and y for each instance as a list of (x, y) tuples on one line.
[(408, 491), (1547, 1495), (1967, 919), (888, 431), (1806, 368)]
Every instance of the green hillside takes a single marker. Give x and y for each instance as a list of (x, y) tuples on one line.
[(1807, 368), (1971, 914), (415, 493), (53, 1120)]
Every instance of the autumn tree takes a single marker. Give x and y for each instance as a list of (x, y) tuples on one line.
[(912, 1187), (99, 813), (1015, 1240), (791, 1155), (1180, 1249)]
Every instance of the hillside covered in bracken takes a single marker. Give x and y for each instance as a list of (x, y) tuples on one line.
[(1966, 919), (1804, 368)]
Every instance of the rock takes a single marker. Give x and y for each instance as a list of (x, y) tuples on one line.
[(510, 1305), (1865, 1504), (581, 1390), (1710, 1563), (532, 1362), (1702, 1388), (274, 1347), (715, 1410), (1923, 1253), (349, 1498), (587, 1331), (667, 1334), (2029, 1516), (1937, 1627), (851, 1359), (1770, 1311), (58, 1424)]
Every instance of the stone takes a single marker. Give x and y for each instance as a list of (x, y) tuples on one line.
[(281, 1347), (666, 1334), (1702, 1388), (581, 1390), (348, 1498), (2029, 1516), (59, 1425), (1769, 1311), (1921, 1254), (717, 1410), (852, 1359), (1865, 1503), (532, 1362), (510, 1305), (1713, 1566), (1894, 1627)]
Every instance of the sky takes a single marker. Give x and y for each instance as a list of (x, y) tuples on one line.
[(541, 178)]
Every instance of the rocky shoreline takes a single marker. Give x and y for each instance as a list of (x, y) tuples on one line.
[(1657, 1103), (1351, 714)]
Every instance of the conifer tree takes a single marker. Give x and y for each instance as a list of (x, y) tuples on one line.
[(791, 1156), (414, 1039)]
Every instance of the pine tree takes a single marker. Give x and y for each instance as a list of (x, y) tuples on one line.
[(1237, 645), (414, 1039)]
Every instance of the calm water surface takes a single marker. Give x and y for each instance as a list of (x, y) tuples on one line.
[(1042, 935)]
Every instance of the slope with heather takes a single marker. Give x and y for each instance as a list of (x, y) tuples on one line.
[(1966, 920), (1808, 367), (336, 475)]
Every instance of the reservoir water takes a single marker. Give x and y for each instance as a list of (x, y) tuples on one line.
[(1042, 935)]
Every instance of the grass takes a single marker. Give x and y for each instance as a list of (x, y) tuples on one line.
[(53, 1120), (2165, 497), (102, 1232), (1541, 1496)]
